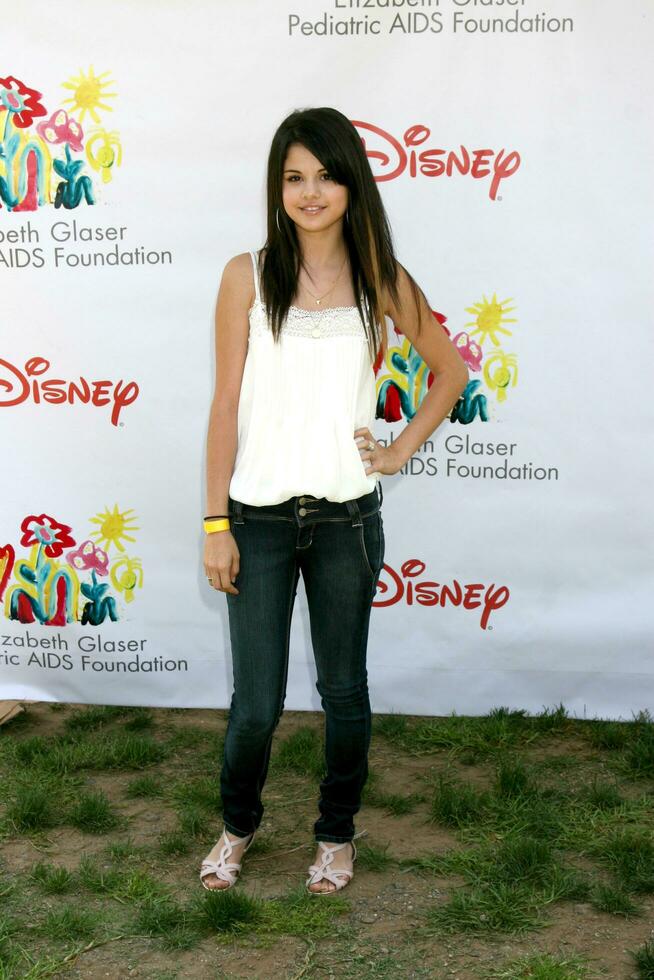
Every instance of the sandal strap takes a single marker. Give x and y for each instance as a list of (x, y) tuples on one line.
[(324, 871), (222, 868), (222, 871), (330, 874)]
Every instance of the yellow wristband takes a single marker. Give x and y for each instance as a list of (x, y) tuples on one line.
[(220, 524)]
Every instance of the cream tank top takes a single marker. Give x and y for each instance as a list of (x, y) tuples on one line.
[(300, 401)]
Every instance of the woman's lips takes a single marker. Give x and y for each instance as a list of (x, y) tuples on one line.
[(313, 211)]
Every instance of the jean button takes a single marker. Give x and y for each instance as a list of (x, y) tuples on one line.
[(302, 500), (302, 511)]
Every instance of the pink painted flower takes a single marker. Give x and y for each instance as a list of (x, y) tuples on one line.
[(469, 350), (60, 128), (89, 556)]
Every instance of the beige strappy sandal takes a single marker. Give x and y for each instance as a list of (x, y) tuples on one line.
[(340, 877), (223, 868)]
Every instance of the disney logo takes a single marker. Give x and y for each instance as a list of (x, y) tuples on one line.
[(403, 587), (394, 157), (17, 386)]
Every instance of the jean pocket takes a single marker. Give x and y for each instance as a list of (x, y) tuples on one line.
[(371, 537)]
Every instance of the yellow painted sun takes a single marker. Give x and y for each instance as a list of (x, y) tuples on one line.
[(113, 528), (88, 91), (489, 317)]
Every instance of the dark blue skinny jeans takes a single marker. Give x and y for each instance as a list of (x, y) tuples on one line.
[(339, 548)]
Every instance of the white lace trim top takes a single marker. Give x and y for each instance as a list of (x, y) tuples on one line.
[(300, 402)]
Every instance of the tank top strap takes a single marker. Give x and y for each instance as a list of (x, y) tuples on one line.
[(255, 266)]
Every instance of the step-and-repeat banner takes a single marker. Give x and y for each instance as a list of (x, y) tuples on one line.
[(512, 146)]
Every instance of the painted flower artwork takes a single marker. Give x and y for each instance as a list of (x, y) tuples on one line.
[(403, 378), (50, 154), (64, 580)]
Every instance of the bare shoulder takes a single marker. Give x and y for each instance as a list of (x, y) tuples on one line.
[(238, 278), (235, 297)]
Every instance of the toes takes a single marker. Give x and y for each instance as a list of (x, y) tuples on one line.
[(214, 883)]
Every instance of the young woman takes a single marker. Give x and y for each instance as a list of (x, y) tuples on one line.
[(293, 468)]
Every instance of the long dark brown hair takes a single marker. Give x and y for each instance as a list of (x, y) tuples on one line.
[(333, 140)]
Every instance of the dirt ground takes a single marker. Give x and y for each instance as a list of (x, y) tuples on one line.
[(385, 906)]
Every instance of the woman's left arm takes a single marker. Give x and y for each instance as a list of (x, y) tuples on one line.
[(450, 378)]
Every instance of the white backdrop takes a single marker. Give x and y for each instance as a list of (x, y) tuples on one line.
[(537, 246)]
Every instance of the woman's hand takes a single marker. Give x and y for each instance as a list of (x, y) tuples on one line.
[(222, 561), (382, 459)]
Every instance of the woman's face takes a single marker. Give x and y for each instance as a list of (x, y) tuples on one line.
[(306, 183)]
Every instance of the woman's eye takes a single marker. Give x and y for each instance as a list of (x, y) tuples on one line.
[(296, 176)]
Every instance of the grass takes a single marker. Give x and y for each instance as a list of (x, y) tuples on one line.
[(125, 850), (98, 750), (31, 809), (456, 804), (544, 966), (487, 907), (145, 787), (395, 804), (194, 821), (94, 717), (167, 920), (537, 811), (301, 753), (601, 795), (96, 879), (473, 739), (202, 792), (54, 880), (523, 859), (629, 853), (174, 843), (62, 925), (644, 960), (370, 857), (639, 756), (140, 720), (93, 813), (514, 780), (616, 901), (232, 912)]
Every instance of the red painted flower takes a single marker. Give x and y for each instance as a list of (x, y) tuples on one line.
[(46, 531), (379, 360), (89, 556), (22, 102), (441, 319), (392, 405), (469, 350), (59, 128)]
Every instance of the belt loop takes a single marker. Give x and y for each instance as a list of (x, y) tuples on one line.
[(238, 512), (355, 513)]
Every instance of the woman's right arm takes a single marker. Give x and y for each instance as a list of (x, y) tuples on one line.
[(235, 296)]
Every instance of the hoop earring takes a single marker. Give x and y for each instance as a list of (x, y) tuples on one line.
[(277, 219)]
